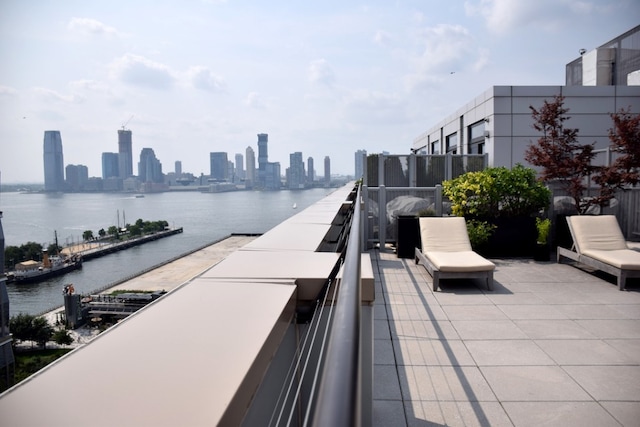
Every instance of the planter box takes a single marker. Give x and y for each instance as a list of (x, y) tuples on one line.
[(513, 237)]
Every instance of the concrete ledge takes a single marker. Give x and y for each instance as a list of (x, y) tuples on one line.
[(167, 365)]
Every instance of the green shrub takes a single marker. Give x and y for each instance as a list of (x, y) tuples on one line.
[(479, 232), (497, 192), (543, 226)]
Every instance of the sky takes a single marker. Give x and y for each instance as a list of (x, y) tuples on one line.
[(325, 78)]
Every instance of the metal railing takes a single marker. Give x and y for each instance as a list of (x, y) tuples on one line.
[(339, 395)]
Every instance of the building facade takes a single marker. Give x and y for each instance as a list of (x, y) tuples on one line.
[(125, 153), (250, 178), (7, 360), (296, 175), (53, 161), (77, 177), (219, 166), (310, 171), (239, 171), (327, 171), (263, 158), (360, 158), (499, 123), (149, 167), (110, 165)]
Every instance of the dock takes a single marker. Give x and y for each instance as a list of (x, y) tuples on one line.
[(90, 250)]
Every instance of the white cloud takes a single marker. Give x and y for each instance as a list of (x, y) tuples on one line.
[(320, 72), (51, 95), (382, 38), (7, 91), (140, 71), (366, 107), (204, 79), (92, 26), (255, 100), (503, 16)]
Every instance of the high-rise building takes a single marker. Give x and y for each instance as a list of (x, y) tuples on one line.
[(149, 167), (263, 157), (77, 177), (296, 174), (240, 166), (327, 171), (219, 165), (250, 179), (7, 361), (360, 158), (53, 161), (178, 168), (272, 176), (310, 171), (125, 153), (109, 165)]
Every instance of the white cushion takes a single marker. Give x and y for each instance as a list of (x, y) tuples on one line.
[(444, 234), (465, 261), (596, 232)]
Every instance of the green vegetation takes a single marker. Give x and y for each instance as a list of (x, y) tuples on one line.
[(544, 227), (27, 327), (127, 291), (497, 192), (30, 362), (16, 254), (479, 232)]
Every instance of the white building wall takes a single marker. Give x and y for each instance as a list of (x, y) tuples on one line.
[(509, 124)]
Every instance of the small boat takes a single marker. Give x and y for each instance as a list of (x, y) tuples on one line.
[(139, 196), (51, 266), (295, 206), (36, 271)]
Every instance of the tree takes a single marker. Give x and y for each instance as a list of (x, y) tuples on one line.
[(113, 231), (87, 235), (562, 158), (26, 327), (625, 143), (62, 337), (102, 233)]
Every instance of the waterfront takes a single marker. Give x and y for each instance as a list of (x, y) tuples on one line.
[(204, 217)]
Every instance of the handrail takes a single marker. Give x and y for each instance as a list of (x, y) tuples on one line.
[(339, 394)]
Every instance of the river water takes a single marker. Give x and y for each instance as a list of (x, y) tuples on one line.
[(205, 217)]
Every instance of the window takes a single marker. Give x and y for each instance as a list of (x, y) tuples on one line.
[(435, 147), (452, 143), (476, 137)]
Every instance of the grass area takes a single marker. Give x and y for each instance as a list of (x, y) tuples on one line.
[(29, 362)]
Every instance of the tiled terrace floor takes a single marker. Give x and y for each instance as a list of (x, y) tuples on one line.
[(552, 345)]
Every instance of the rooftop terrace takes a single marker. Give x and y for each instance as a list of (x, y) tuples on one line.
[(552, 345)]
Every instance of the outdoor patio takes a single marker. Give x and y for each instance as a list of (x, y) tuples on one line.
[(552, 345)]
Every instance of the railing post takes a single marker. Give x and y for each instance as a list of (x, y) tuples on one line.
[(364, 215), (413, 181), (382, 216), (438, 200)]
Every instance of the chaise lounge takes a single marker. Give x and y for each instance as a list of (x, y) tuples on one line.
[(446, 252), (599, 243)]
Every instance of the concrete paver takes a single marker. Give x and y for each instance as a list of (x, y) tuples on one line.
[(551, 345)]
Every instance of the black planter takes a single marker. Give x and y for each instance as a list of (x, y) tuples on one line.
[(542, 252), (407, 236), (513, 237)]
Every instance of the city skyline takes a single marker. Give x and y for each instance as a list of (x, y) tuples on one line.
[(323, 79)]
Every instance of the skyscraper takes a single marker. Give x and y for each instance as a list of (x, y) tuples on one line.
[(360, 158), (109, 165), (7, 360), (149, 167), (240, 166), (178, 168), (327, 171), (310, 171), (296, 175), (219, 165), (251, 167), (53, 161), (77, 177), (125, 153), (263, 158)]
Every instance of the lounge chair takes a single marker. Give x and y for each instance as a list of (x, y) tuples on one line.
[(446, 251), (598, 242)]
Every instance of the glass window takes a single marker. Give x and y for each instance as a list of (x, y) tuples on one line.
[(435, 147), (452, 143)]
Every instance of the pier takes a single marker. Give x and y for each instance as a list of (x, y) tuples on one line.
[(90, 250)]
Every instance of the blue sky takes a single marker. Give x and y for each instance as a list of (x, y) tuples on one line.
[(324, 78)]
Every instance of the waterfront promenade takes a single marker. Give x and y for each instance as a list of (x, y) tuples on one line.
[(552, 345)]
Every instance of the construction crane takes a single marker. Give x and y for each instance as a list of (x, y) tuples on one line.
[(127, 122)]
